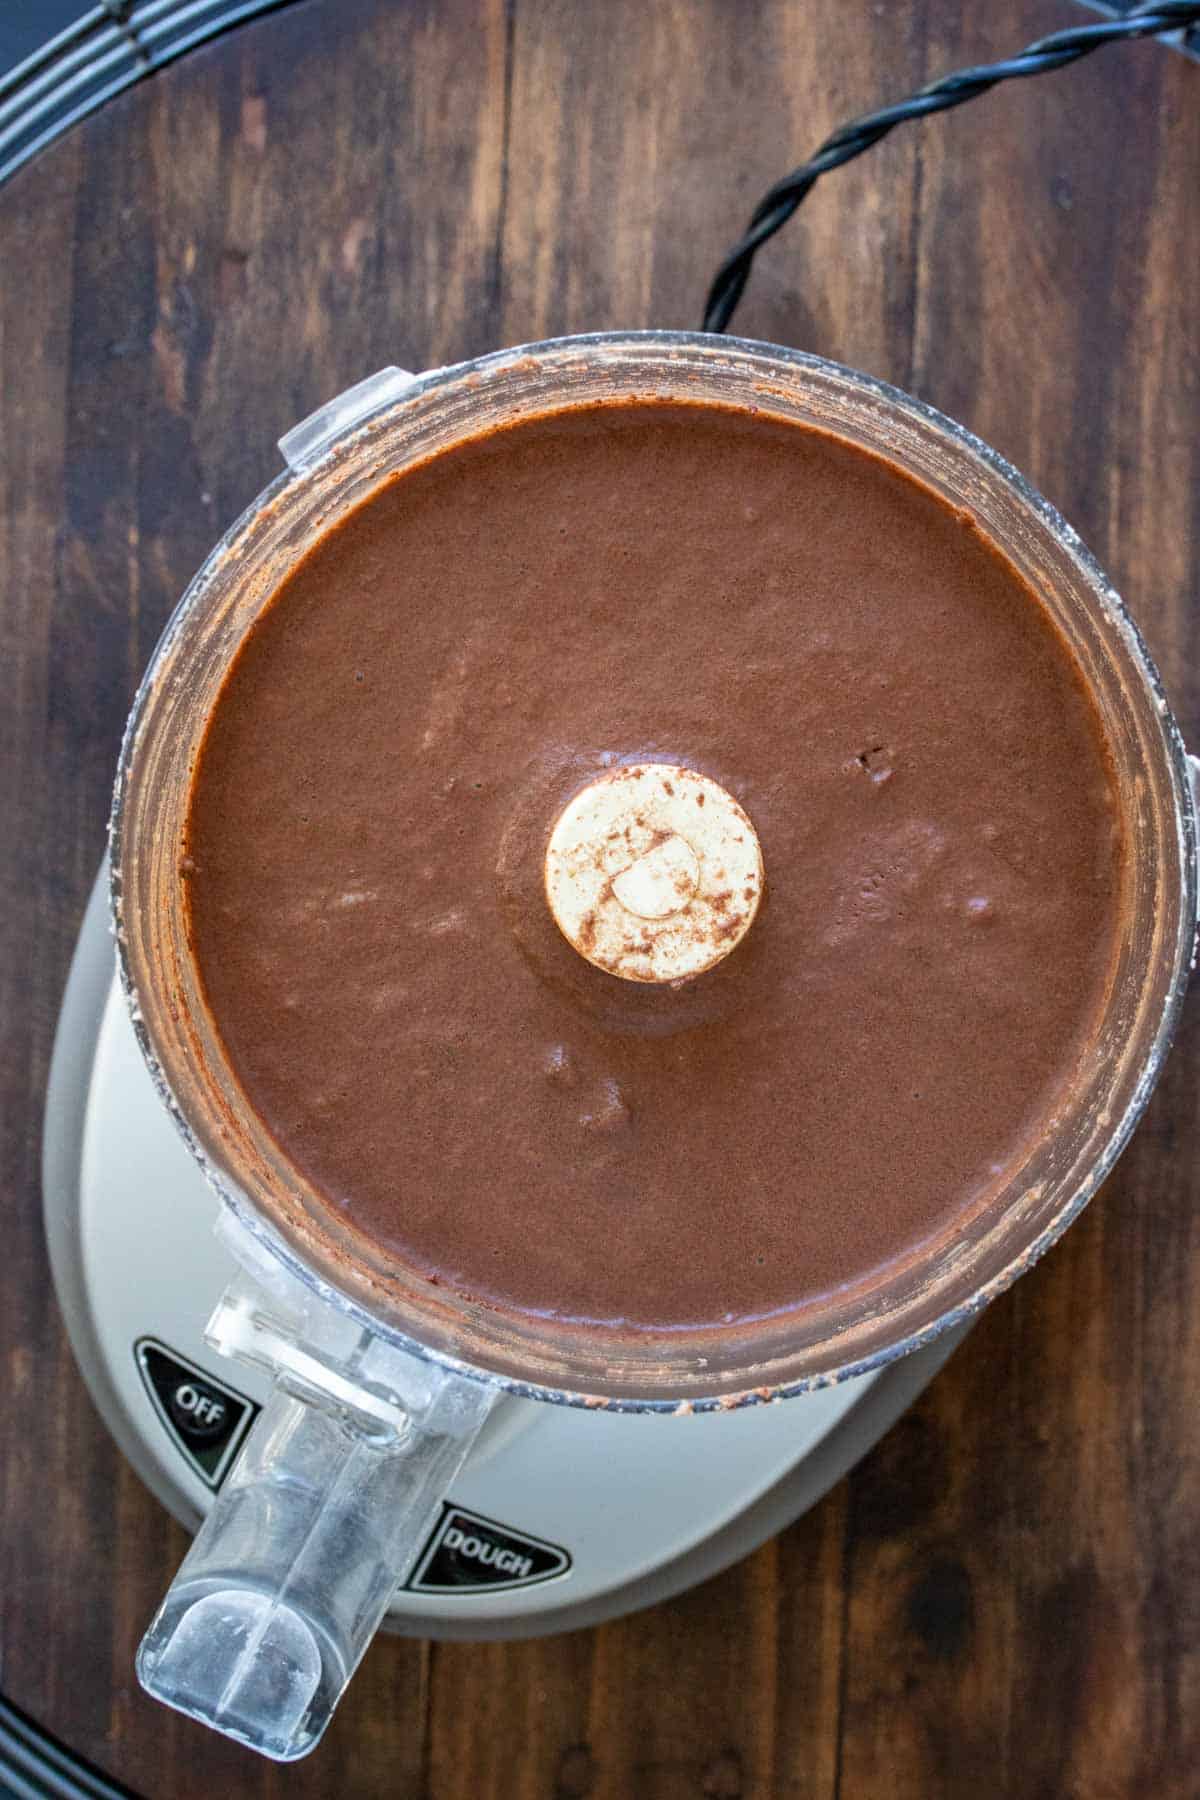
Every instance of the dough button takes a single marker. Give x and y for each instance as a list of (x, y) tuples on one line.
[(653, 873)]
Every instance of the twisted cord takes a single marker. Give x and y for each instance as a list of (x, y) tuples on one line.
[(1055, 52)]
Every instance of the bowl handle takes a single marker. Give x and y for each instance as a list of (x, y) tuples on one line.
[(320, 1519)]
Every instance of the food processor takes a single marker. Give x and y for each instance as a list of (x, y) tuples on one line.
[(364, 1444)]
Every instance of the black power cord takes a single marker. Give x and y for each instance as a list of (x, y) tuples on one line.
[(1055, 52)]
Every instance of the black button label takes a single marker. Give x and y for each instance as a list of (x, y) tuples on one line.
[(466, 1551), (206, 1419)]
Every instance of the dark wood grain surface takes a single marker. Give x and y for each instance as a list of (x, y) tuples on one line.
[(1004, 1599)]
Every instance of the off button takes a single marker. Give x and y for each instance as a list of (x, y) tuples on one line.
[(206, 1420), (197, 1409)]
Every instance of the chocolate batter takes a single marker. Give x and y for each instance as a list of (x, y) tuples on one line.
[(842, 652)]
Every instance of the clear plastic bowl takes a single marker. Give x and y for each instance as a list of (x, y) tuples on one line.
[(847, 1332)]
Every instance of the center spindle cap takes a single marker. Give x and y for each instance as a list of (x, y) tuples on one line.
[(653, 873)]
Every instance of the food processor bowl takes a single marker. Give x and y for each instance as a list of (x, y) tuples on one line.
[(383, 1378)]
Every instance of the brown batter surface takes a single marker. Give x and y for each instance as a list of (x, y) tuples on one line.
[(842, 652)]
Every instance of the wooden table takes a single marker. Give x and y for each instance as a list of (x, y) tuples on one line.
[(1004, 1599)]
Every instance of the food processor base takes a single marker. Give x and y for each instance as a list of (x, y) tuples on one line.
[(560, 1517)]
